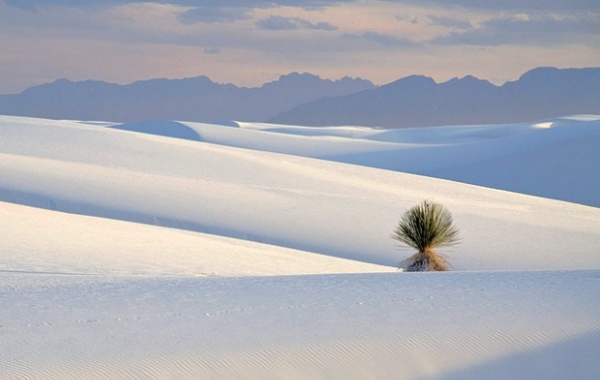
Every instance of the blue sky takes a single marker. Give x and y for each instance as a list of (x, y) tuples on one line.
[(251, 42)]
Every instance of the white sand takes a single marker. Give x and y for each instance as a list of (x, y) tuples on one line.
[(128, 255)]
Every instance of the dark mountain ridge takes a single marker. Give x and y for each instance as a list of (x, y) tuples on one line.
[(417, 101), (189, 99), (306, 99)]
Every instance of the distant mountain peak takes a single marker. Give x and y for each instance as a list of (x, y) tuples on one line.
[(191, 99), (468, 82), (296, 77), (417, 100), (307, 99), (417, 79)]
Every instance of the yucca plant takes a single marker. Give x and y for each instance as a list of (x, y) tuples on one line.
[(425, 227)]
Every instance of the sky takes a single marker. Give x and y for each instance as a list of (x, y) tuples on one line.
[(251, 42)]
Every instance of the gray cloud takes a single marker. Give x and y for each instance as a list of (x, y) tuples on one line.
[(450, 22), (383, 39), (292, 23), (204, 4), (212, 50), (511, 5), (409, 18), (205, 11), (508, 5), (209, 15), (25, 4), (538, 29)]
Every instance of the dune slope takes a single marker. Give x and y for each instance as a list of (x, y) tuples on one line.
[(289, 201), (492, 325), (554, 158), (257, 251)]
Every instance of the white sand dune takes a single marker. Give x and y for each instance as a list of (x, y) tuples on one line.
[(41, 241), (478, 325), (554, 158), (168, 253), (289, 201)]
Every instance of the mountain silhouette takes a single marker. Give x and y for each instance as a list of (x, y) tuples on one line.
[(190, 99), (417, 101), (306, 99)]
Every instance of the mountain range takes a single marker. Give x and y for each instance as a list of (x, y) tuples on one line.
[(306, 99), (417, 101), (189, 99)]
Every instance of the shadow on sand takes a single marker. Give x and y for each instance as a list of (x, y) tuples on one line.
[(575, 358), (161, 128)]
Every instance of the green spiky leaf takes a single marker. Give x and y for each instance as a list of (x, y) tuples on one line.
[(426, 226)]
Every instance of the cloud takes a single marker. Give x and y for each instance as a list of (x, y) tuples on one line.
[(22, 4), (523, 29), (450, 22), (292, 23), (505, 5), (215, 14), (212, 50), (383, 39), (512, 5), (410, 18), (204, 4), (205, 11)]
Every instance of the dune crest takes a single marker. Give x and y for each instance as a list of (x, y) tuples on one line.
[(186, 250)]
